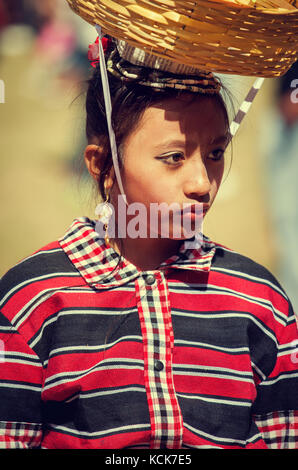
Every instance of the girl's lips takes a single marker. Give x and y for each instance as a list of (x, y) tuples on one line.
[(192, 212), (195, 210)]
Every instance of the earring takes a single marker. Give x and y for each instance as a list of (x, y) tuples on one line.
[(104, 213)]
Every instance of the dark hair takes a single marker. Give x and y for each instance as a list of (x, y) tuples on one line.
[(129, 102)]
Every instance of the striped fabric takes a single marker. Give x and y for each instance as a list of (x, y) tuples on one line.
[(201, 353), (245, 106), (201, 82)]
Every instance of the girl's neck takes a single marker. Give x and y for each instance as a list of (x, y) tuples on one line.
[(146, 253)]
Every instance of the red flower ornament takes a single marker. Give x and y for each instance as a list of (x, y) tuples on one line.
[(93, 51)]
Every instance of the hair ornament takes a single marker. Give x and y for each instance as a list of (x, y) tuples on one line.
[(93, 50)]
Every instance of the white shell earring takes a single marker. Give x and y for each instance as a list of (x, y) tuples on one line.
[(104, 212)]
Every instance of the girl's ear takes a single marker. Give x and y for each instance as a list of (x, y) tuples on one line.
[(94, 156)]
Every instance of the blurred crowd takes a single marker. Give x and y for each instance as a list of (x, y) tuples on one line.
[(54, 42), (33, 12), (56, 37), (279, 147)]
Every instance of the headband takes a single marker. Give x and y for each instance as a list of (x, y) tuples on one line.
[(203, 82)]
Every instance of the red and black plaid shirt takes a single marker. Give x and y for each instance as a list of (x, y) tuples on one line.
[(200, 353)]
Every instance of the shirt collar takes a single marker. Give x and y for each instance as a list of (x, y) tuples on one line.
[(102, 267)]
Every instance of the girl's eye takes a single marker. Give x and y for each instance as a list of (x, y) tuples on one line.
[(216, 155), (172, 158)]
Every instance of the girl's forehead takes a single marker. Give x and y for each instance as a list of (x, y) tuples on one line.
[(185, 107), (191, 115)]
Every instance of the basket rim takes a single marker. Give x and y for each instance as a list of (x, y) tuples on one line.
[(276, 27), (259, 8)]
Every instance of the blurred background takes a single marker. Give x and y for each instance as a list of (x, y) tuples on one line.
[(44, 186)]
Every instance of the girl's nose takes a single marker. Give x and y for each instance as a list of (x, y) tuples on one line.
[(197, 183)]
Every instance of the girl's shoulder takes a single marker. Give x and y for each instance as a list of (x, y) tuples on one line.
[(46, 261), (34, 276), (242, 267), (47, 264)]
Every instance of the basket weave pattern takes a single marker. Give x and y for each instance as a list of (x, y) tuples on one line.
[(255, 38)]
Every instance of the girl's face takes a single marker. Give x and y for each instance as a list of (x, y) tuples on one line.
[(176, 155)]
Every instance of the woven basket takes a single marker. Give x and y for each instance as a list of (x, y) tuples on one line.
[(249, 37)]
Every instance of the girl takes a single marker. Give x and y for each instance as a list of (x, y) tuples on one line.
[(113, 340)]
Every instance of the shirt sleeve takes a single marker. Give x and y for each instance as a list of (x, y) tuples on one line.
[(276, 405), (21, 375)]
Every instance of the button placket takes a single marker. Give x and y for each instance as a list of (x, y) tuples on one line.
[(158, 365), (150, 279), (154, 310)]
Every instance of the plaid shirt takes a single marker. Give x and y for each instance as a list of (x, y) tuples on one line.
[(200, 353)]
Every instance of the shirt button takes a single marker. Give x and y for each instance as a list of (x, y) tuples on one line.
[(150, 279), (158, 365)]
